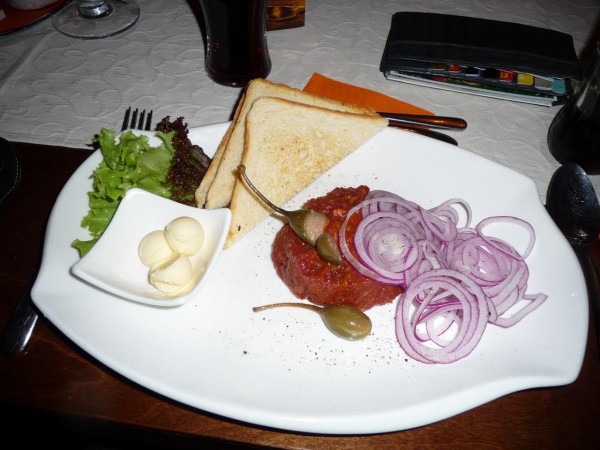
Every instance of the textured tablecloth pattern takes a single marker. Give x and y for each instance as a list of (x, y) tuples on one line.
[(59, 90)]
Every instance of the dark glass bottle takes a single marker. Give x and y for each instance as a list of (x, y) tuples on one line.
[(574, 135), (237, 49)]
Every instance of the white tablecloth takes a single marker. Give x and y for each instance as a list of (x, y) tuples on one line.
[(59, 90)]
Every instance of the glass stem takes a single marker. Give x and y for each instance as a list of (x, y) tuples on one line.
[(94, 9)]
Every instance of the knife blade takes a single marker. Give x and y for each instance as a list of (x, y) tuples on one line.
[(20, 324), (429, 133), (421, 121)]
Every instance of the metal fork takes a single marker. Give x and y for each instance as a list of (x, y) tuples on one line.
[(142, 122)]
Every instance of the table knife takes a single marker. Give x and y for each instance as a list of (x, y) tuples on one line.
[(20, 324), (422, 121), (429, 133)]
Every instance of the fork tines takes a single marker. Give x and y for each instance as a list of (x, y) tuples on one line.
[(141, 123)]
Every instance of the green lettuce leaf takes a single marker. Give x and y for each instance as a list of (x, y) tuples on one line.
[(130, 162)]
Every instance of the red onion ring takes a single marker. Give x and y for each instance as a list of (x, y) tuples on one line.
[(467, 312), (456, 280)]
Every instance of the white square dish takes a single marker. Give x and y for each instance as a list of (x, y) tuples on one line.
[(113, 264)]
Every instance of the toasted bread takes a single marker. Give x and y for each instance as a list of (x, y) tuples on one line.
[(217, 187), (287, 146), (209, 176)]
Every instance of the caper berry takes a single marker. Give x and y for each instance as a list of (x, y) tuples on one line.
[(345, 321), (308, 225)]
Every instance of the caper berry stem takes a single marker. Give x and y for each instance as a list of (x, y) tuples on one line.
[(308, 225), (242, 171), (315, 308), (345, 321)]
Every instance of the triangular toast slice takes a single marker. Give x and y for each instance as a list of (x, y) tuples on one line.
[(216, 188), (287, 146), (211, 172)]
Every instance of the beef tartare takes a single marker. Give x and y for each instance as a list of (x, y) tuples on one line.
[(310, 277)]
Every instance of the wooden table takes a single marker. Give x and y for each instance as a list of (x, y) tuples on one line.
[(64, 396)]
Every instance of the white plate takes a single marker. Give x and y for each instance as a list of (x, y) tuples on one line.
[(114, 265), (282, 368)]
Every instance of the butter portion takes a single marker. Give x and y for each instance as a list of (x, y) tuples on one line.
[(167, 253), (172, 276), (154, 249), (185, 235)]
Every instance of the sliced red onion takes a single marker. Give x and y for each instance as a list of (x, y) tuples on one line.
[(456, 280), (534, 301), (449, 212), (507, 248), (464, 319)]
